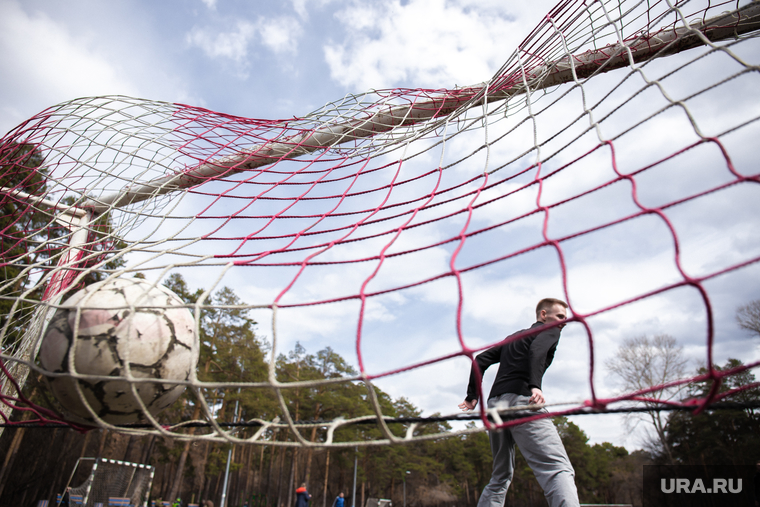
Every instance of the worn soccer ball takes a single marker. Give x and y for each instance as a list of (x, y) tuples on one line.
[(119, 321)]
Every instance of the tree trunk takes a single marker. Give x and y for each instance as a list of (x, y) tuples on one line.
[(101, 446), (260, 472), (248, 473), (205, 489), (659, 428), (148, 450), (178, 474), (327, 474), (166, 480), (272, 462), (84, 443), (279, 477), (10, 456), (201, 482), (202, 479), (23, 497), (55, 436), (239, 484), (217, 493), (309, 456), (33, 468), (176, 485), (67, 440), (231, 483), (292, 476), (130, 446)]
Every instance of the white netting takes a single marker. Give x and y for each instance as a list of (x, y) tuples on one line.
[(113, 479), (396, 205)]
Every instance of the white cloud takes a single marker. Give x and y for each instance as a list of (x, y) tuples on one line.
[(300, 7), (281, 34), (232, 45), (425, 43), (211, 4), (44, 63)]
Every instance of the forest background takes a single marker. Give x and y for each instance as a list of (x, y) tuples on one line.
[(450, 471)]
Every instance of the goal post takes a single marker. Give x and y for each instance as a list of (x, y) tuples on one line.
[(112, 479), (77, 221)]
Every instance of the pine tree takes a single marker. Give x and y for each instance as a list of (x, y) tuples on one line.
[(718, 437)]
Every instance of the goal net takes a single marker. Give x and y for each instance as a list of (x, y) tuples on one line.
[(611, 161), (113, 479)]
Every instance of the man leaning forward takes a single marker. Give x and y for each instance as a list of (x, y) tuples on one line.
[(522, 364)]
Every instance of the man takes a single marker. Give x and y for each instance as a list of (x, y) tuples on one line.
[(339, 500), (522, 364)]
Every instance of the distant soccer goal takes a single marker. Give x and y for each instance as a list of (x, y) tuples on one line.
[(111, 482), (593, 166)]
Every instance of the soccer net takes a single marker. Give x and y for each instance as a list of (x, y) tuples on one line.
[(403, 221), (113, 479)]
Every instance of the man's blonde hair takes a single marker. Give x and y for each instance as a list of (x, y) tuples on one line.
[(547, 303)]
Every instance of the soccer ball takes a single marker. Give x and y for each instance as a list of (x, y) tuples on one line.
[(155, 338)]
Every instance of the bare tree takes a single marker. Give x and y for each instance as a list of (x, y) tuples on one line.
[(748, 316), (643, 363)]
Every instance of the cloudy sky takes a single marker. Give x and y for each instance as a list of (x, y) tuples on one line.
[(276, 60)]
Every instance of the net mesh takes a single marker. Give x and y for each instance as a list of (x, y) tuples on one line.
[(113, 479), (614, 125)]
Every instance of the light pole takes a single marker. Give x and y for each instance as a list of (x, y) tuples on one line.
[(407, 472)]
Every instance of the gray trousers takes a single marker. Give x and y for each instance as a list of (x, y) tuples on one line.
[(542, 448)]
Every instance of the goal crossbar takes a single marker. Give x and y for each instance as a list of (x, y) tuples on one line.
[(644, 46)]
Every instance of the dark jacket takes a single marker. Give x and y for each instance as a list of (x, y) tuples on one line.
[(522, 362), (302, 497)]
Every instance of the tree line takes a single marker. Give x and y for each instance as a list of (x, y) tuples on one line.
[(446, 471)]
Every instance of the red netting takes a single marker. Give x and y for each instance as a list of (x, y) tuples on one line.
[(403, 204)]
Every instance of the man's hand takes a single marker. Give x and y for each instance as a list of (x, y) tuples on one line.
[(468, 405), (537, 398)]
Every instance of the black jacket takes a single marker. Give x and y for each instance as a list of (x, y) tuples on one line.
[(522, 363)]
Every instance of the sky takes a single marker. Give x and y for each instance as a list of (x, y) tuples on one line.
[(275, 60)]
